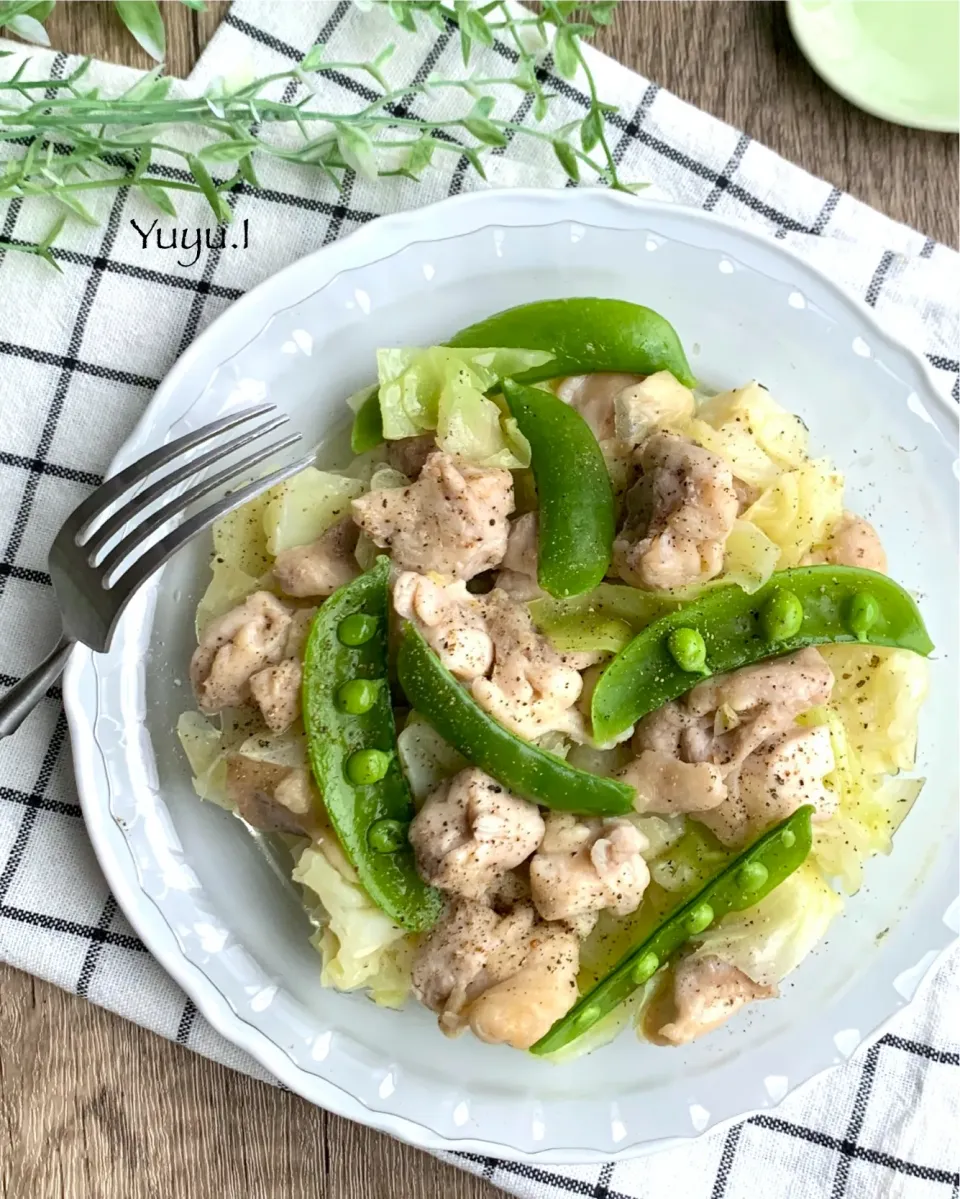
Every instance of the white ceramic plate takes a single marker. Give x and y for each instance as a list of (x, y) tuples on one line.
[(188, 876)]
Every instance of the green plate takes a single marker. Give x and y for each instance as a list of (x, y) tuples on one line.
[(896, 59)]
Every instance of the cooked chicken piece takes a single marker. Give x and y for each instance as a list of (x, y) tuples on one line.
[(276, 692), (664, 729), (783, 775), (450, 619), (755, 704), (518, 574), (274, 798), (593, 397), (523, 1007), (585, 865), (471, 831), (491, 642), (532, 689), (853, 542), (667, 787), (323, 566), (679, 515), (469, 949), (408, 454), (234, 647), (510, 890), (452, 521), (276, 689), (706, 993)]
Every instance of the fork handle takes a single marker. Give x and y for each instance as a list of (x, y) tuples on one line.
[(24, 696)]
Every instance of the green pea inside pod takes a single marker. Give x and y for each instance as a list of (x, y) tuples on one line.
[(367, 766), (387, 836), (781, 616), (699, 919), (645, 968), (358, 696), (356, 629), (751, 876), (689, 650), (862, 614)]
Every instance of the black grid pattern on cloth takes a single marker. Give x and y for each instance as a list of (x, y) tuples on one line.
[(640, 128)]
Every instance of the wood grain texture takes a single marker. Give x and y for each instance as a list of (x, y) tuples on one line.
[(92, 1107)]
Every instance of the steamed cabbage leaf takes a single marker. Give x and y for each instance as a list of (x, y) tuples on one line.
[(870, 807), (441, 389), (229, 587), (240, 540), (779, 434), (426, 758), (658, 402), (203, 745), (770, 939), (799, 509), (878, 692), (301, 509), (360, 946)]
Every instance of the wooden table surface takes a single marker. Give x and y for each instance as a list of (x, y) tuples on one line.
[(92, 1107)]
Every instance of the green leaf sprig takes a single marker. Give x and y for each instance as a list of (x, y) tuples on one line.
[(64, 139)]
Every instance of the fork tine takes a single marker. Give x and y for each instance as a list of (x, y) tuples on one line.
[(112, 490), (146, 529), (137, 503), (144, 566)]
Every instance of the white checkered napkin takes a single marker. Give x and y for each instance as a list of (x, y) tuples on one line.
[(81, 354)]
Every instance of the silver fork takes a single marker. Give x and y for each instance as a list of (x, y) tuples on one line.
[(94, 581)]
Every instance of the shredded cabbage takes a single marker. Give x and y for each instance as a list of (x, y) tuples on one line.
[(773, 937), (425, 757), (229, 586), (360, 945), (799, 509), (443, 389), (203, 745), (304, 507)]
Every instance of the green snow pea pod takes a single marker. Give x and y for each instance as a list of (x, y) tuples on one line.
[(351, 739), (740, 884), (585, 335), (577, 517), (827, 604), (524, 769)]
